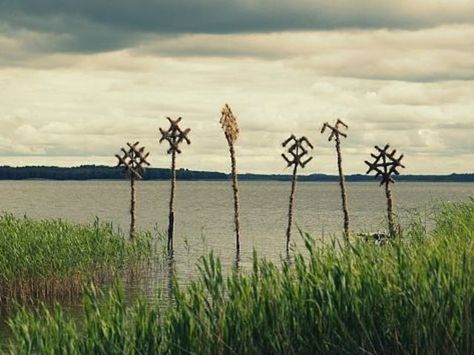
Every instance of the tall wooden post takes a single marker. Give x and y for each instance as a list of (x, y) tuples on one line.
[(132, 206), (171, 206), (290, 207), (174, 136), (231, 131), (385, 165), (388, 195), (133, 161), (337, 134), (297, 149)]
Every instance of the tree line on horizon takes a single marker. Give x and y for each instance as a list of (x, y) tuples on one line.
[(103, 172)]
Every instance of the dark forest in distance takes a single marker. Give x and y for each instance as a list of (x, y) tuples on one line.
[(100, 172)]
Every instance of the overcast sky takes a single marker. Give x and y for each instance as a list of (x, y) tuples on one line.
[(78, 79)]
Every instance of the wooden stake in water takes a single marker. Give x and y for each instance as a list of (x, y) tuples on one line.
[(385, 165), (336, 134), (298, 149), (133, 162), (174, 135), (231, 131)]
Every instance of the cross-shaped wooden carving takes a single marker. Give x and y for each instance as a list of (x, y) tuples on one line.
[(133, 160), (298, 150), (335, 130), (385, 164), (336, 134), (175, 135)]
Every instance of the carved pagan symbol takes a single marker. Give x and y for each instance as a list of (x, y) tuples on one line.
[(298, 149), (174, 135), (133, 160), (335, 131), (385, 164)]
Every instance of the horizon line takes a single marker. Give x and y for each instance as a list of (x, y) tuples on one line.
[(227, 173)]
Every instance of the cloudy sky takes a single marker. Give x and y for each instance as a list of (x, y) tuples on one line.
[(80, 78)]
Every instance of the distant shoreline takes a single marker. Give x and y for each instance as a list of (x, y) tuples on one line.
[(100, 172)]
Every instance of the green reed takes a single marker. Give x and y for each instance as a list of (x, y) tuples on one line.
[(39, 259), (410, 295)]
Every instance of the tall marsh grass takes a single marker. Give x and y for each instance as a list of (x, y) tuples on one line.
[(411, 295), (39, 259)]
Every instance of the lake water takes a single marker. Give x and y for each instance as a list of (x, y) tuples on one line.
[(204, 210), (204, 215)]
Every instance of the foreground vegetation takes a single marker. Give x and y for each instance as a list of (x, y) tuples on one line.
[(413, 295), (39, 259)]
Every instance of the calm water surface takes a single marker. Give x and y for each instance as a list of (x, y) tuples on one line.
[(204, 212)]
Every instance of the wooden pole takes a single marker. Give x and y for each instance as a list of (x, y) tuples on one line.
[(342, 184), (388, 194), (171, 211), (132, 206), (133, 161), (385, 165), (231, 131), (290, 208), (235, 189)]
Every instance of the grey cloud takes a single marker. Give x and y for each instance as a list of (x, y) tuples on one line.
[(457, 126), (428, 55), (100, 25)]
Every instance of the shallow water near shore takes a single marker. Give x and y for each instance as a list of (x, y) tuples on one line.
[(204, 210)]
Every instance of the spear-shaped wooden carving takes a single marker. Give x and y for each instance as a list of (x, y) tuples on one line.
[(298, 151), (174, 135), (385, 165), (336, 134), (133, 162), (231, 131)]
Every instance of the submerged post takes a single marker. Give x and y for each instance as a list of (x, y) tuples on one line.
[(385, 165), (231, 131), (298, 149), (174, 135), (132, 161), (336, 134)]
